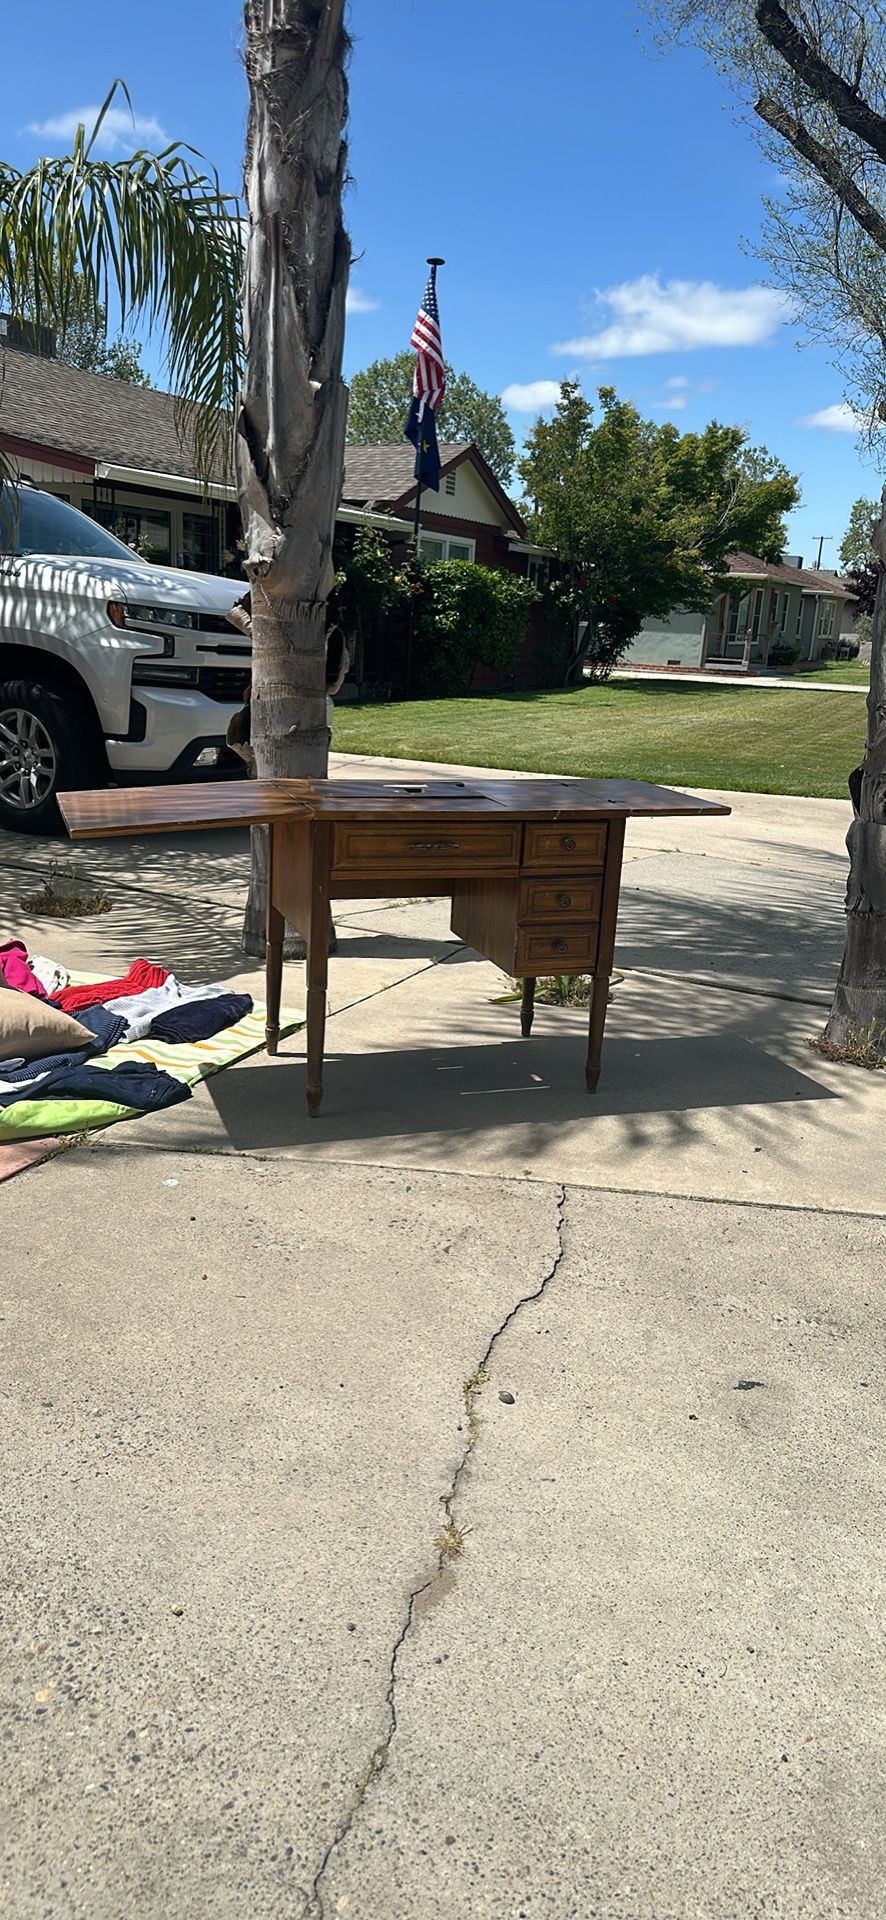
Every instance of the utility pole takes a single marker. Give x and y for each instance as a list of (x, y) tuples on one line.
[(822, 537)]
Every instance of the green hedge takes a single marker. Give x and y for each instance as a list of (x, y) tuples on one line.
[(467, 616)]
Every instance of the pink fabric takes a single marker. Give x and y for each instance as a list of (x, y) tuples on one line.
[(15, 971)]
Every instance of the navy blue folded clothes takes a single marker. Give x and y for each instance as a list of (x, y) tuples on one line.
[(108, 1026), (139, 1084), (200, 1019), (107, 1029)]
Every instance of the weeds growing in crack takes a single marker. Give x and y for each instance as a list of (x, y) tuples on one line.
[(450, 1541), (471, 1389), (374, 1766)]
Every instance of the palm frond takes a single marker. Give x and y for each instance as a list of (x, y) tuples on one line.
[(157, 230)]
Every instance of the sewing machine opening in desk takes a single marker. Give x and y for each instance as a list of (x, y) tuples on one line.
[(438, 789)]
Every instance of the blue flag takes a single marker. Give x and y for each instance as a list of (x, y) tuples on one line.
[(423, 434)]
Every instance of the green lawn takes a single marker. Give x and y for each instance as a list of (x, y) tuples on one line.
[(846, 673), (693, 736)]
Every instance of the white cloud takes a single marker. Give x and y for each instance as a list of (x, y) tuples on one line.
[(674, 403), (531, 396), (647, 316), (840, 418), (356, 301), (121, 131), (677, 380)]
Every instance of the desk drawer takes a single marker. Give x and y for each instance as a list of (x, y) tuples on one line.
[(556, 949), (564, 848), (428, 847), (552, 899)]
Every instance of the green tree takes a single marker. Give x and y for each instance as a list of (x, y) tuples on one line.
[(814, 77), (641, 517), (379, 403), (84, 342), (858, 557), (857, 544)]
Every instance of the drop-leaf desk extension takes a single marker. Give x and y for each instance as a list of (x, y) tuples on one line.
[(532, 866)]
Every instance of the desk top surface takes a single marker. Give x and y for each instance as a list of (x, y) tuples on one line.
[(244, 803)]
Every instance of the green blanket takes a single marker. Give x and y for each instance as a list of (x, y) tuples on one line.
[(33, 1119)]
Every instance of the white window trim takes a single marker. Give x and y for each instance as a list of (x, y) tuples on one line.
[(444, 541), (826, 630)]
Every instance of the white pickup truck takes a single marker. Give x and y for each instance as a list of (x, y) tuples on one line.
[(110, 668)]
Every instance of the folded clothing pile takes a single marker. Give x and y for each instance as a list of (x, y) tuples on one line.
[(47, 1044)]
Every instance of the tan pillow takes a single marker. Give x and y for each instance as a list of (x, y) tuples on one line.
[(29, 1028)]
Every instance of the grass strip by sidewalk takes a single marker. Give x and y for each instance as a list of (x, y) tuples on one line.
[(693, 736)]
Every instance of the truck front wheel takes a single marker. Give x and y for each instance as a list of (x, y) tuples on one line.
[(47, 746)]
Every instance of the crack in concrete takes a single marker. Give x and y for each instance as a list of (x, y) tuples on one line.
[(315, 1908)]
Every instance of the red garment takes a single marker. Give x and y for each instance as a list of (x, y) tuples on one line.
[(141, 975), (15, 972)]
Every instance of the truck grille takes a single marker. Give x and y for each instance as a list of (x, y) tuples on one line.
[(227, 684)]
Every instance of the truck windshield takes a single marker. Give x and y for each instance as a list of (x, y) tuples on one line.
[(34, 522)]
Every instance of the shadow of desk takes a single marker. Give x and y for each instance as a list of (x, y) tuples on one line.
[(532, 867)]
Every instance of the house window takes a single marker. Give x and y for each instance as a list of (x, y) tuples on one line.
[(439, 546), (147, 532), (200, 542), (825, 619), (799, 616), (538, 573), (781, 611), (449, 483)]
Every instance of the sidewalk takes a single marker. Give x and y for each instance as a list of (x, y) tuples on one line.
[(243, 1679), (700, 676)]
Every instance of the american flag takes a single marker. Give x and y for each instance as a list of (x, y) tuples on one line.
[(429, 379)]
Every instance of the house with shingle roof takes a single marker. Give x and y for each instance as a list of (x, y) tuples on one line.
[(776, 611), (115, 451)]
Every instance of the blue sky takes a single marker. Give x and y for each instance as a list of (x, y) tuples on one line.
[(593, 202)]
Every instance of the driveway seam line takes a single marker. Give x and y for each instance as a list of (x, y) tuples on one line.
[(102, 1137)]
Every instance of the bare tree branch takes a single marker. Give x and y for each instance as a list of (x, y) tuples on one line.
[(826, 164), (852, 112)]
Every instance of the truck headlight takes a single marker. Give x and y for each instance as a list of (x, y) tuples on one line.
[(122, 614)]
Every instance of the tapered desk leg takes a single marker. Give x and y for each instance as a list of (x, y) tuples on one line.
[(527, 1007), (318, 960), (605, 950), (275, 927)]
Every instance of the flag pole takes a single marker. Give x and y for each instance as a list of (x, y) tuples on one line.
[(434, 261)]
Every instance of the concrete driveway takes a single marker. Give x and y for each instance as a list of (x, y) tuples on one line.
[(468, 1503)]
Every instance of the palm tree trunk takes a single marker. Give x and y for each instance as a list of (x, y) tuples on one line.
[(291, 419), (860, 997)]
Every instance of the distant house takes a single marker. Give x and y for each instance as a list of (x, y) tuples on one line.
[(471, 518), (768, 605)]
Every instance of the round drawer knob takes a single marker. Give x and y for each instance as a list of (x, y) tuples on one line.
[(561, 946), (564, 899), (569, 843)]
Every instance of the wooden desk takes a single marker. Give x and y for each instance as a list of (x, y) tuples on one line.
[(533, 867)]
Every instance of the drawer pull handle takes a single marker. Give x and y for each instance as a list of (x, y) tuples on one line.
[(564, 899), (561, 946), (569, 843), (434, 846)]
